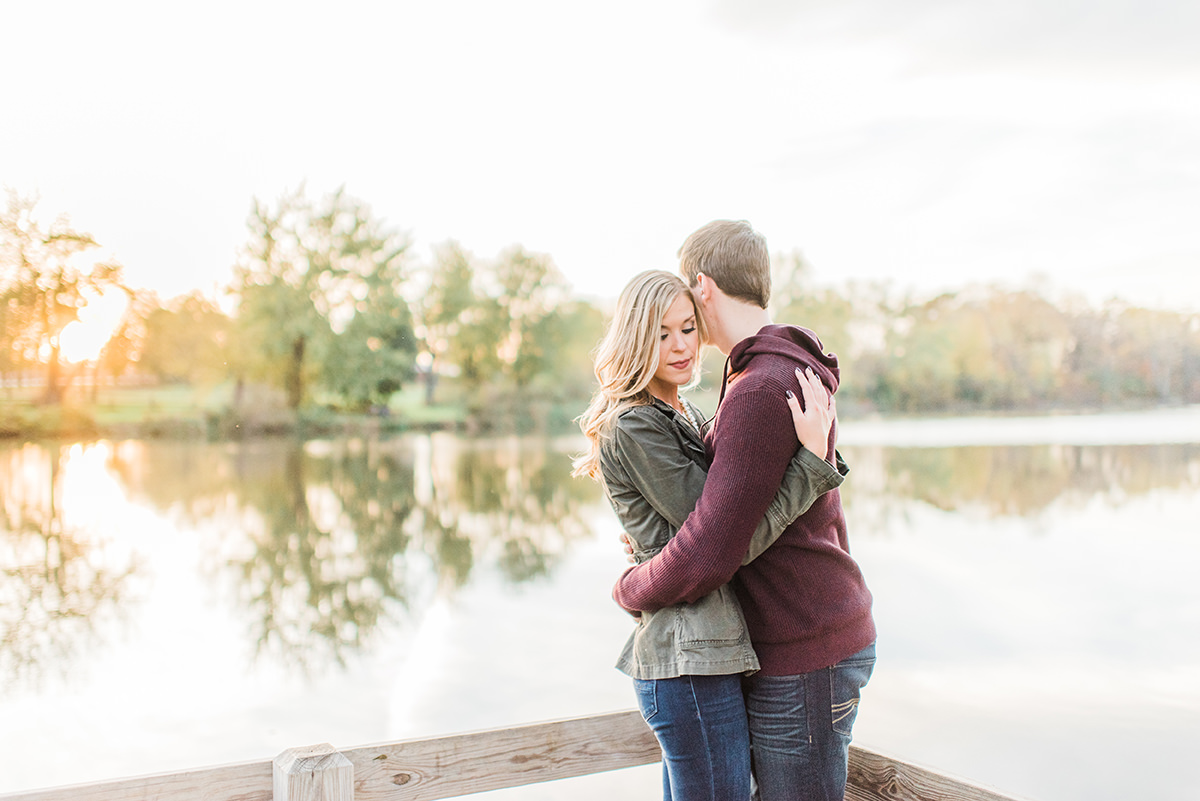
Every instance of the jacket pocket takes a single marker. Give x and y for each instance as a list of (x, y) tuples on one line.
[(715, 618)]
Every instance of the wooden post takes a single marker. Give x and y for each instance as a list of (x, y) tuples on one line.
[(314, 773)]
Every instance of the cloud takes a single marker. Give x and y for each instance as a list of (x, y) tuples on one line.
[(1107, 34)]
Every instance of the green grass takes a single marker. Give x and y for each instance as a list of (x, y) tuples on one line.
[(409, 405), (134, 405), (179, 410), (154, 410)]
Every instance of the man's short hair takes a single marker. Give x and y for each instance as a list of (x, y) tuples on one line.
[(733, 255)]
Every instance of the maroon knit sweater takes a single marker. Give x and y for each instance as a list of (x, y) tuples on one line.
[(806, 603)]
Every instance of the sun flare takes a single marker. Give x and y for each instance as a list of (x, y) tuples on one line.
[(83, 339)]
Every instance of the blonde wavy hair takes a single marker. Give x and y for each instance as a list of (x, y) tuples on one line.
[(627, 358)]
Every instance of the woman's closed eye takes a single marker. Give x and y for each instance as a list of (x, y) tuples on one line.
[(663, 336)]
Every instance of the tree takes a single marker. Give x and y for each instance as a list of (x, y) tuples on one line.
[(275, 289), (848, 321), (826, 312), (921, 358), (1150, 353), (319, 283), (504, 334), (128, 339), (576, 328), (446, 308), (44, 281), (375, 355), (187, 340), (508, 329), (475, 347), (530, 290)]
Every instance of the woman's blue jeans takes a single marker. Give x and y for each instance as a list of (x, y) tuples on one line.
[(700, 722), (800, 729)]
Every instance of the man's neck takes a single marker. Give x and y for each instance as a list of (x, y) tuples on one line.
[(739, 321)]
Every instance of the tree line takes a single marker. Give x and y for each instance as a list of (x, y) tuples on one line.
[(327, 308), (330, 308), (985, 348)]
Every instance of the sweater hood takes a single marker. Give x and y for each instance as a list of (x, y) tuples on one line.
[(792, 342)]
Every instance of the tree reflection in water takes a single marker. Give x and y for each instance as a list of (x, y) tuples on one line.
[(1015, 481), (336, 531), (515, 500), (57, 581), (325, 529), (324, 541)]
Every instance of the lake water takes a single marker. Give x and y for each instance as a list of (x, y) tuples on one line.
[(169, 605)]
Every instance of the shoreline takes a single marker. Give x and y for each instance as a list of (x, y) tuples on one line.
[(1116, 426)]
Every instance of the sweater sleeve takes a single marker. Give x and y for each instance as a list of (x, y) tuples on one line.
[(752, 444), (807, 478)]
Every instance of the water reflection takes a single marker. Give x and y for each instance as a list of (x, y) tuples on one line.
[(57, 580), (319, 543), (322, 539), (1015, 481), (514, 498), (326, 533)]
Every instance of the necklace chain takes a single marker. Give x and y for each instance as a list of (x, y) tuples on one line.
[(688, 414)]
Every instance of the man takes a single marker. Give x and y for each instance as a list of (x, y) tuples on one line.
[(806, 604)]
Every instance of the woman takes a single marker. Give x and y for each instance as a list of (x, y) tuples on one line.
[(645, 443)]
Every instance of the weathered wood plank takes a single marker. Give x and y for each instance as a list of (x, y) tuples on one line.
[(313, 773), (875, 777), (248, 781), (459, 764), (445, 767)]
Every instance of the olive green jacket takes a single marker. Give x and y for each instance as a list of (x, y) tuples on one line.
[(654, 465)]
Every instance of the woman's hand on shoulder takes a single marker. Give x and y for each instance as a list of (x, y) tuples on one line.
[(814, 421)]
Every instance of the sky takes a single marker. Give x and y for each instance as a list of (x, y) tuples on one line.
[(929, 144)]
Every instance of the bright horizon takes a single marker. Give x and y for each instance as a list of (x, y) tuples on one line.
[(931, 146)]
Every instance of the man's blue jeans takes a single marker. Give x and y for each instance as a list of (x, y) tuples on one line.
[(800, 729), (700, 722)]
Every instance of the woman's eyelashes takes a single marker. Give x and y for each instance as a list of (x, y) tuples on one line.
[(663, 336)]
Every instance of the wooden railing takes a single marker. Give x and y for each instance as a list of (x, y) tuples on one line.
[(460, 764)]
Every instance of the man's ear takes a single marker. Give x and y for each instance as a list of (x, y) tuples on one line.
[(703, 287)]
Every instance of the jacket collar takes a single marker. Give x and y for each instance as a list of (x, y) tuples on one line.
[(680, 423)]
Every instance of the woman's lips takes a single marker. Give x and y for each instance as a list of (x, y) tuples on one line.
[(683, 365)]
